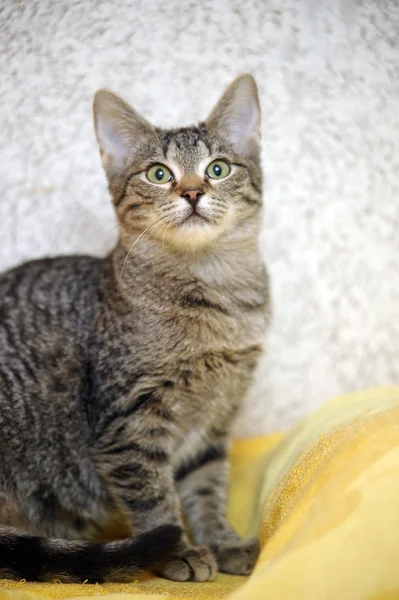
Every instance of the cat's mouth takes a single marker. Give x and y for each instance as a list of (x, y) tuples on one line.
[(195, 219), (192, 228)]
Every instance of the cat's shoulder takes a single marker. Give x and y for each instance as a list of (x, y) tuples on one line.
[(64, 271)]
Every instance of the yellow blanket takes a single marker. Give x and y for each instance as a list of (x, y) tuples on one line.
[(325, 499)]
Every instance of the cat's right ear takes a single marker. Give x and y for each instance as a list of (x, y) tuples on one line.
[(120, 131)]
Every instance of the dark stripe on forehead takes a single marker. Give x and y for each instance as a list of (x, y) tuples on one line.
[(200, 136), (207, 146), (203, 133), (183, 138), (166, 141)]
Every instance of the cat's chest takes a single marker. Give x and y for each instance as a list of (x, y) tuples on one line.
[(186, 314), (198, 321)]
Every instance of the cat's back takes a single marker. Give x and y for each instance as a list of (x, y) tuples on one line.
[(56, 294), (45, 279)]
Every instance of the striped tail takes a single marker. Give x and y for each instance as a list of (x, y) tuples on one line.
[(24, 556)]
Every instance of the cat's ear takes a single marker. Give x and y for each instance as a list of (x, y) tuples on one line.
[(236, 117), (120, 131)]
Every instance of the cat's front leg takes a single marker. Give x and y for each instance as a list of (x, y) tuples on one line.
[(203, 487), (148, 489)]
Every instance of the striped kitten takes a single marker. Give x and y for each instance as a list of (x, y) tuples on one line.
[(120, 378)]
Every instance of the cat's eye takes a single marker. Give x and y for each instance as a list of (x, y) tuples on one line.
[(159, 174), (218, 169)]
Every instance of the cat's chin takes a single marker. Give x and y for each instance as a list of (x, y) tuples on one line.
[(194, 234), (195, 220)]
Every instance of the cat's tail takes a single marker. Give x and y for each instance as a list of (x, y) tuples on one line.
[(25, 556)]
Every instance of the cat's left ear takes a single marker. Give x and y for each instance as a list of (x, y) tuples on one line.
[(236, 117), (120, 131)]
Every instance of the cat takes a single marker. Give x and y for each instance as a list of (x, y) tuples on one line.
[(120, 378)]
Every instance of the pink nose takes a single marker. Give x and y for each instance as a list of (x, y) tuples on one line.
[(192, 195)]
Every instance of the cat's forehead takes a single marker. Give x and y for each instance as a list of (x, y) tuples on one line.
[(186, 146)]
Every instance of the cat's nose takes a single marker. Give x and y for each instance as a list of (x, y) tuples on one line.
[(193, 195)]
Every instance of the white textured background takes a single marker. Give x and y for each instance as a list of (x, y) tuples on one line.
[(328, 73)]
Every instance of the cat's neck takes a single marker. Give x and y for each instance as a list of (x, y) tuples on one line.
[(230, 261)]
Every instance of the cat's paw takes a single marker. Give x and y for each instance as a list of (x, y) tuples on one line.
[(238, 558), (191, 564)]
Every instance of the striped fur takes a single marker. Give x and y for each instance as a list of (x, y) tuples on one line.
[(120, 378), (24, 556)]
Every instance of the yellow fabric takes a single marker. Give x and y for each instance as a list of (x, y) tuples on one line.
[(326, 500)]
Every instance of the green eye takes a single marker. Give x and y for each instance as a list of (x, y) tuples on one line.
[(159, 174), (218, 169)]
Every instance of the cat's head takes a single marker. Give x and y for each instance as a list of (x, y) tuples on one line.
[(186, 187)]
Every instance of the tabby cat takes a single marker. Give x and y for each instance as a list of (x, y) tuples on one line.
[(120, 377)]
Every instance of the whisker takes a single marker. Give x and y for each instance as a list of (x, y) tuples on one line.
[(149, 229), (209, 240), (109, 231), (164, 233)]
